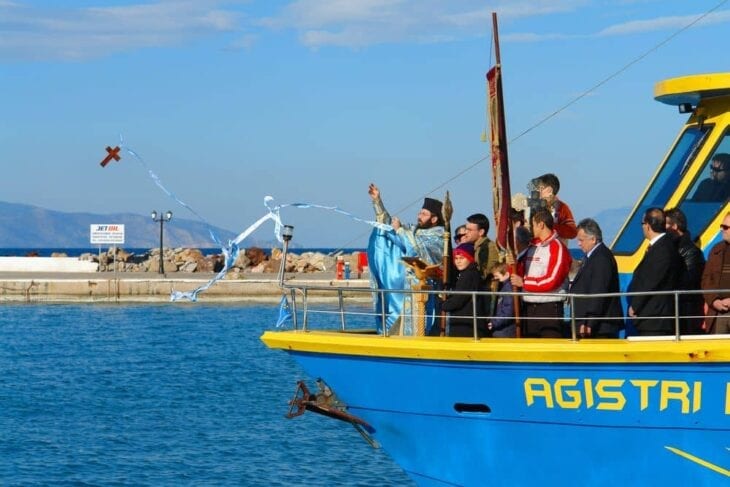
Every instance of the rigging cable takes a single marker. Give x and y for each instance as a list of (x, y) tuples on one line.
[(554, 113)]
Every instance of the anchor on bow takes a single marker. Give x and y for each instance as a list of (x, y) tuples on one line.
[(326, 403)]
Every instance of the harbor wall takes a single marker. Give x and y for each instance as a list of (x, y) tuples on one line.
[(91, 290)]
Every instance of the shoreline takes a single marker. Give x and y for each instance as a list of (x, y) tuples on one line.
[(127, 287)]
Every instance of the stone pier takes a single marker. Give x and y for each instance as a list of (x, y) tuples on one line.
[(149, 287)]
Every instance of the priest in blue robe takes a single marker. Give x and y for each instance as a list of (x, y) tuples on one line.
[(385, 250)]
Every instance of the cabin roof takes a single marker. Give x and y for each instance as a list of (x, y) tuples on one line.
[(692, 89)]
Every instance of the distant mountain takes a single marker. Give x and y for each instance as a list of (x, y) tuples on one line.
[(26, 226), (610, 222)]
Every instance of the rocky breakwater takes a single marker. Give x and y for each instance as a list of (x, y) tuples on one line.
[(252, 277), (253, 261)]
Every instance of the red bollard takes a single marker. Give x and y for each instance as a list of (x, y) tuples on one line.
[(362, 263)]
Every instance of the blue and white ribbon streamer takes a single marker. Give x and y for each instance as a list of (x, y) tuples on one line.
[(336, 209), (230, 252), (169, 193), (232, 249)]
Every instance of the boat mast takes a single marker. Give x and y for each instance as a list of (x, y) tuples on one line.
[(502, 198)]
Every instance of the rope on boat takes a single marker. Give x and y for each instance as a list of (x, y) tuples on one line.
[(619, 71)]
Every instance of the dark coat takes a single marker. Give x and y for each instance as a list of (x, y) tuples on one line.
[(459, 306), (711, 190), (694, 262), (597, 275), (658, 271), (503, 325), (711, 281), (690, 279)]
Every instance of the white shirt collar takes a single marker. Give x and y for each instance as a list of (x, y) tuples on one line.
[(594, 248), (654, 240)]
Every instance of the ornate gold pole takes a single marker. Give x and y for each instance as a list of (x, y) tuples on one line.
[(447, 210), (422, 272)]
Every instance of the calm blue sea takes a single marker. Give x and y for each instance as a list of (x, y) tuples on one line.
[(172, 394)]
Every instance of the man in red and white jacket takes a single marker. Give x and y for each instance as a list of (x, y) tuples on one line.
[(545, 269)]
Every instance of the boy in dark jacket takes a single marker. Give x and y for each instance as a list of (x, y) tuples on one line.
[(503, 323), (460, 306)]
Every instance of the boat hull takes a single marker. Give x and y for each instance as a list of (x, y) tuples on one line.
[(508, 423)]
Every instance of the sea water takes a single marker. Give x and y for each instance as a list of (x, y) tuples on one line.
[(163, 395)]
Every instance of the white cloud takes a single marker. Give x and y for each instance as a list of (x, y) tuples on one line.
[(319, 13), (532, 37), (663, 23), (482, 17), (82, 33), (62, 32), (245, 42), (669, 23), (356, 23)]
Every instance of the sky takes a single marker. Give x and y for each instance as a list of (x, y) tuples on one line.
[(311, 100)]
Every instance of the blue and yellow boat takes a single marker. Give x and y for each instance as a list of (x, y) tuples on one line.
[(460, 411)]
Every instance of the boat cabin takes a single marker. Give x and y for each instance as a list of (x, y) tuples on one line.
[(678, 182)]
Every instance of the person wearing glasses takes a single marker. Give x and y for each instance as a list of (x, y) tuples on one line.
[(653, 314), (717, 276), (717, 186), (485, 250), (459, 234), (486, 255)]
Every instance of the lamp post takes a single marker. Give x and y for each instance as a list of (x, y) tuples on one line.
[(286, 235), (162, 219)]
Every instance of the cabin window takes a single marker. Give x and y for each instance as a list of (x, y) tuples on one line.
[(662, 187), (710, 190)]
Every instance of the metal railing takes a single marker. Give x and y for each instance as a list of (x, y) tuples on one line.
[(351, 313), (342, 293)]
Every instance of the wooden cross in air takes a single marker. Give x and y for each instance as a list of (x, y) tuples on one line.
[(113, 154)]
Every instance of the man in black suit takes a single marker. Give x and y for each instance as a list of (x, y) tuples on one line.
[(600, 317), (657, 271)]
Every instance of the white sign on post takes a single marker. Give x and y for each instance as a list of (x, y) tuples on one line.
[(106, 234)]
